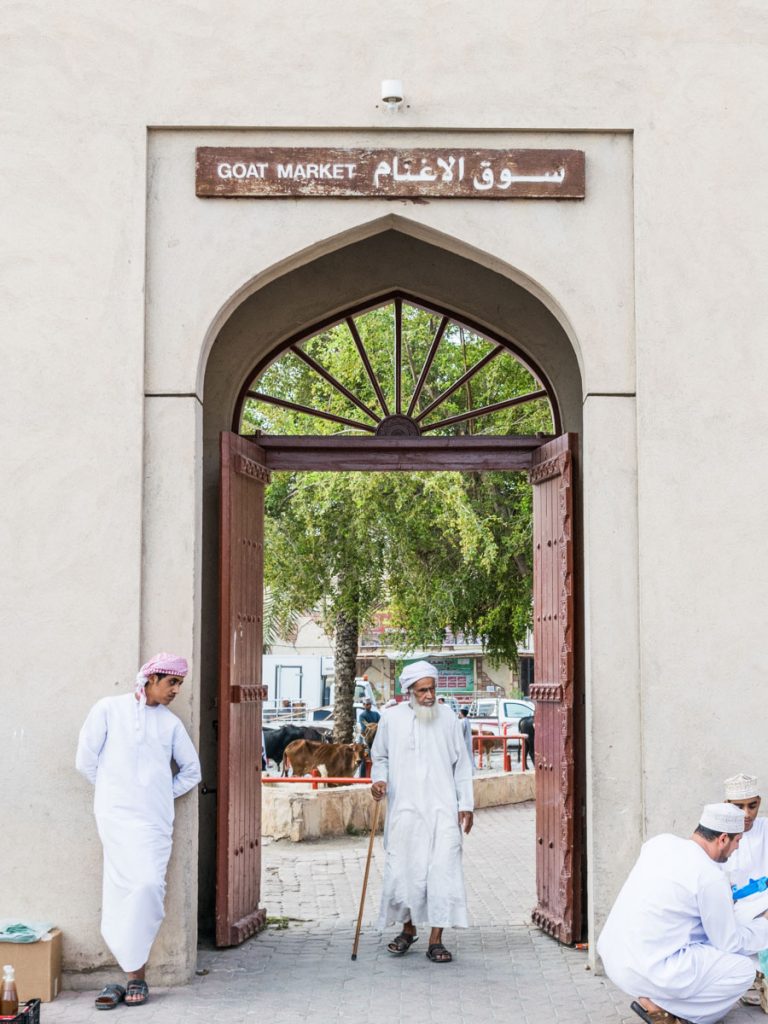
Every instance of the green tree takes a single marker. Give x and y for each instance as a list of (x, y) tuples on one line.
[(438, 550), (324, 548), (458, 555)]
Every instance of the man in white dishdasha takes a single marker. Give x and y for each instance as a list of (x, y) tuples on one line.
[(750, 860), (420, 763), (672, 939), (125, 750)]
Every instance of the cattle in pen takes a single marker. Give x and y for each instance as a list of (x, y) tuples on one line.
[(276, 740), (334, 760)]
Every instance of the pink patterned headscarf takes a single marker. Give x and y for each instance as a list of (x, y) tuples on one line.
[(162, 664), (165, 664)]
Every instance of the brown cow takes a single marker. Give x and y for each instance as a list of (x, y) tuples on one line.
[(331, 759)]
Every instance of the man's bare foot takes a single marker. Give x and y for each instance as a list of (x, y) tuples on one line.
[(648, 1004), (137, 988), (403, 942), (652, 1013)]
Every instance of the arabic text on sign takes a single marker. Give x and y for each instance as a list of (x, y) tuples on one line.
[(389, 173)]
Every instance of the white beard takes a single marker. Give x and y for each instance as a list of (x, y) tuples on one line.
[(423, 714)]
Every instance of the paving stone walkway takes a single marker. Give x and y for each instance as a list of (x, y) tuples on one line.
[(300, 968)]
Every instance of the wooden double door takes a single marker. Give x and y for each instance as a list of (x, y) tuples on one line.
[(245, 468)]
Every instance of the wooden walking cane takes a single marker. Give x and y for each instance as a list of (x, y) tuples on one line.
[(374, 826)]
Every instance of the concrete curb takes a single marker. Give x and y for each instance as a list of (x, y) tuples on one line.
[(298, 813)]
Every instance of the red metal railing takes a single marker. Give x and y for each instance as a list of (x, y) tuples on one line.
[(315, 779), (479, 742)]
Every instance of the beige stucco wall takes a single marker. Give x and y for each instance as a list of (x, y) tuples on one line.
[(475, 270), (116, 280)]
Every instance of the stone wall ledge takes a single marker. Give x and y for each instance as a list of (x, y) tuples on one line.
[(298, 813)]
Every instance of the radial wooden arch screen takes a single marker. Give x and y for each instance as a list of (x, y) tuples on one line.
[(397, 367)]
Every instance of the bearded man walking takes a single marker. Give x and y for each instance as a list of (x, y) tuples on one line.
[(125, 750), (421, 764)]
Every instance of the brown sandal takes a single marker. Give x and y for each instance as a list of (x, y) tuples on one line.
[(109, 997), (438, 954), (401, 943), (656, 1016), (138, 992)]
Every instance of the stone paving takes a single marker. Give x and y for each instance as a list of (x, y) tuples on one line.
[(301, 968)]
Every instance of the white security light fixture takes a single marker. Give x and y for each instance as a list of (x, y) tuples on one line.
[(392, 94)]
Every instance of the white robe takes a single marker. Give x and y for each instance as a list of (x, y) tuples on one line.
[(466, 732), (429, 780), (750, 860), (126, 751), (672, 935)]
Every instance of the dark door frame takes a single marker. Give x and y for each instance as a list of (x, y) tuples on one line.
[(315, 453), (385, 454)]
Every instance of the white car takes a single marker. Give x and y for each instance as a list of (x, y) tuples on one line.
[(449, 700), (322, 718), (491, 715)]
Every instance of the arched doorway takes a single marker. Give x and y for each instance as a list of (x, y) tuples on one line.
[(245, 344)]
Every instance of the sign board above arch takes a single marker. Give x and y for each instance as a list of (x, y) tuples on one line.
[(438, 173)]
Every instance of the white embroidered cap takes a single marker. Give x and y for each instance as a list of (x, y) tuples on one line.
[(412, 673), (722, 818), (741, 787)]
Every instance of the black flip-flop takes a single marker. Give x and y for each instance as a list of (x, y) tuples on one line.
[(438, 954), (402, 943), (137, 987), (109, 997)]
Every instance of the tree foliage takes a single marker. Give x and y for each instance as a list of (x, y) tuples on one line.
[(460, 349), (437, 550)]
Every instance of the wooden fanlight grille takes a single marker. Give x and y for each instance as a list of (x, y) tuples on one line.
[(397, 367)]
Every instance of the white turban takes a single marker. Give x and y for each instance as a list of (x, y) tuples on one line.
[(741, 787), (418, 670), (722, 818)]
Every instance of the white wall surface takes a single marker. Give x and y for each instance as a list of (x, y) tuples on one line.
[(664, 296)]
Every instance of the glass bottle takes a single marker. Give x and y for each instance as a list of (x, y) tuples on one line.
[(9, 997)]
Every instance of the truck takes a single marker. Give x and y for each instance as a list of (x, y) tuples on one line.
[(322, 717), (296, 679), (301, 688), (490, 715)]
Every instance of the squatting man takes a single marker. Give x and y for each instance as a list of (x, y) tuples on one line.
[(421, 764), (672, 939), (750, 860), (125, 750)]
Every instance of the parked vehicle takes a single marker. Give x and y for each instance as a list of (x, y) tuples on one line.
[(490, 715), (450, 701), (322, 718), (296, 681), (363, 689)]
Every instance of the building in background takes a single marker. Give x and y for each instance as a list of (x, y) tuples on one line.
[(464, 670)]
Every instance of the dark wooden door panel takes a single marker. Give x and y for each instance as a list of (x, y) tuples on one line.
[(558, 839), (238, 843)]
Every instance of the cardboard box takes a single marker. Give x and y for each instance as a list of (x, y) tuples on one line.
[(38, 966)]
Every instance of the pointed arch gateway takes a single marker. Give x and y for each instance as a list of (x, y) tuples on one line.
[(397, 383)]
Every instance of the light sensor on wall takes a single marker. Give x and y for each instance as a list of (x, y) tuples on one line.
[(392, 95)]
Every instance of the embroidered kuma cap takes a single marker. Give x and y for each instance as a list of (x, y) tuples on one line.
[(741, 787), (418, 670), (722, 818)]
